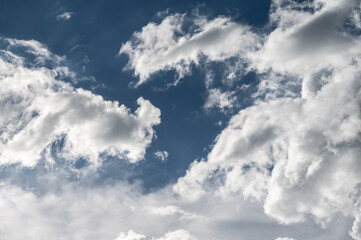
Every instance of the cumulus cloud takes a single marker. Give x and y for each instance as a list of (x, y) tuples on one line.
[(168, 45), (78, 213), (293, 155), (162, 155), (218, 99), (110, 211), (296, 153), (305, 41), (172, 210), (39, 110), (64, 16), (131, 235), (176, 235)]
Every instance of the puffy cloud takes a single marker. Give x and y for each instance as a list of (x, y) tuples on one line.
[(296, 153), (356, 228), (301, 155), (221, 100), (64, 16), (131, 235), (293, 154), (168, 45), (176, 235), (173, 210), (109, 211), (39, 111), (304, 41), (286, 238), (162, 155)]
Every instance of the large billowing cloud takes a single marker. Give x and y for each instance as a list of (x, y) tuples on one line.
[(291, 157), (123, 212), (38, 111), (305, 40), (299, 155), (297, 149)]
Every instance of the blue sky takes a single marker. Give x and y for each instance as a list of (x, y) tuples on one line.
[(94, 34), (212, 119)]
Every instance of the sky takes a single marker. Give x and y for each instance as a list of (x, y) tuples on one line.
[(180, 120)]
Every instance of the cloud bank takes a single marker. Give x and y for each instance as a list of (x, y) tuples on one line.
[(296, 149)]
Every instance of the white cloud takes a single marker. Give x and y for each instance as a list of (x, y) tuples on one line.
[(35, 48), (293, 155), (284, 238), (162, 155), (218, 99), (38, 110), (64, 16), (110, 211), (217, 40), (312, 145), (176, 235), (131, 235), (356, 227), (296, 150), (173, 210), (306, 42)]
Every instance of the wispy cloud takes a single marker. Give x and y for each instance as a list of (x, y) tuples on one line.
[(298, 144), (162, 155), (65, 16)]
